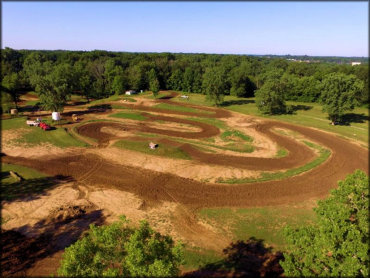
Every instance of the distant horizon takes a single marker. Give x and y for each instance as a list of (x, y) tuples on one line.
[(170, 52), (326, 29)]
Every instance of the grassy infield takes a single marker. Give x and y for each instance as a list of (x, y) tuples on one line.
[(263, 223)]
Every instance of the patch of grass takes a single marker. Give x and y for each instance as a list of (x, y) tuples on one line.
[(229, 134), (196, 257), (32, 102), (161, 150), (14, 123), (33, 182), (265, 223), (211, 121), (117, 106), (131, 116), (180, 108), (238, 147), (24, 172), (281, 153), (58, 137), (149, 95), (109, 99), (266, 176), (197, 99)]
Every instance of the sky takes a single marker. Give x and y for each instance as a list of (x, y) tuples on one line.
[(260, 28)]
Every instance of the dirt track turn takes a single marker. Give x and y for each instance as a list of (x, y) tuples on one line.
[(345, 158)]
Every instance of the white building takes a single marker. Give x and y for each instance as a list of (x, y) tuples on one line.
[(356, 63), (131, 92)]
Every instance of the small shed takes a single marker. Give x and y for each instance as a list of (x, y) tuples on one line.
[(153, 145), (131, 92)]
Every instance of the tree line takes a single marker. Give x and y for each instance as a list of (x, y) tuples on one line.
[(55, 75)]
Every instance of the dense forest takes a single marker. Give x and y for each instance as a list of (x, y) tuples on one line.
[(54, 75)]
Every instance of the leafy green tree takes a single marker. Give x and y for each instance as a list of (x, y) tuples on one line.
[(340, 93), (120, 250), (153, 82), (270, 98), (55, 88), (84, 80), (118, 85), (6, 102), (338, 245), (188, 80), (11, 83), (214, 85), (175, 80), (241, 85)]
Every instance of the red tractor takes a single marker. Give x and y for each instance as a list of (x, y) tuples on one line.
[(44, 126)]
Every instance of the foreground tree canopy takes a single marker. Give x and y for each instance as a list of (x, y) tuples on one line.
[(120, 250), (338, 245), (98, 74)]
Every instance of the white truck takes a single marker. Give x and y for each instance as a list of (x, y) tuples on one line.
[(32, 123)]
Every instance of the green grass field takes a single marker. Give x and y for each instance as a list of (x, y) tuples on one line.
[(131, 116), (196, 257), (180, 108), (35, 135), (211, 121), (14, 123), (265, 223), (161, 150)]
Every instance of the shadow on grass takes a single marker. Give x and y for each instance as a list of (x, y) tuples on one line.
[(98, 108), (237, 102), (30, 189), (29, 108), (20, 253), (77, 103), (349, 118), (301, 107), (244, 259)]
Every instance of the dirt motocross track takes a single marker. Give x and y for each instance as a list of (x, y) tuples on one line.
[(154, 186)]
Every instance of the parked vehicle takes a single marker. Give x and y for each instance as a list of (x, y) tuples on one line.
[(44, 126), (32, 123)]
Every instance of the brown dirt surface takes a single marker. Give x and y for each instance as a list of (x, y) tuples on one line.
[(141, 192), (150, 185)]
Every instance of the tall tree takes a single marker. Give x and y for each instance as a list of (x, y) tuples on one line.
[(270, 98), (55, 88), (340, 93), (338, 245), (188, 80), (153, 82), (241, 85), (214, 85), (175, 80), (11, 84)]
